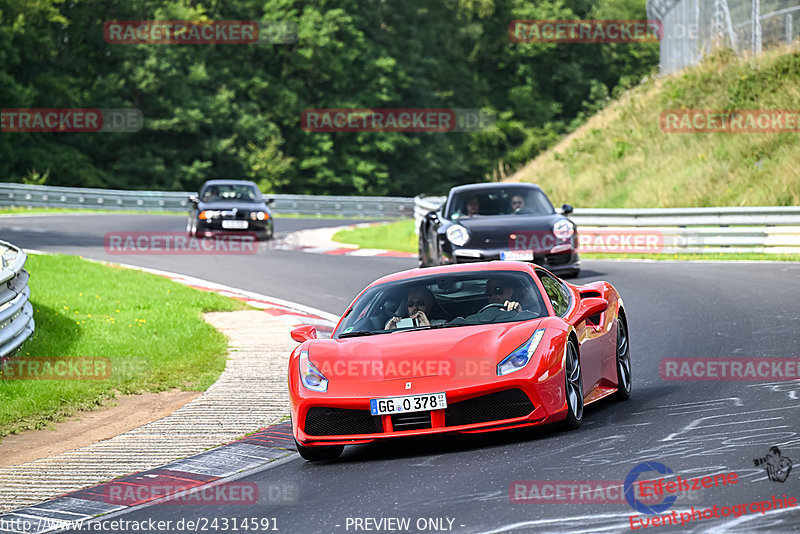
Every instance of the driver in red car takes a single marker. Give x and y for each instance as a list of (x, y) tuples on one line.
[(501, 292)]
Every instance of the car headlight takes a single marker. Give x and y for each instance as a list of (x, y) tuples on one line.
[(310, 376), (457, 235), (563, 229), (520, 357), (260, 215), (209, 214)]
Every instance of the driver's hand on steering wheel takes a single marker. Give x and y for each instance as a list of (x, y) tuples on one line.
[(511, 305)]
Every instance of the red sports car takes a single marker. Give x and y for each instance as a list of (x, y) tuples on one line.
[(462, 348)]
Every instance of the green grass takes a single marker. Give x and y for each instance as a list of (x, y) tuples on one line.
[(400, 236), (149, 327), (622, 159)]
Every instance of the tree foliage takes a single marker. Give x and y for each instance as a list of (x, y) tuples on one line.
[(233, 111)]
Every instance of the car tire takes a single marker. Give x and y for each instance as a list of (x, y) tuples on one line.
[(191, 227), (420, 256), (574, 387), (624, 383), (317, 454)]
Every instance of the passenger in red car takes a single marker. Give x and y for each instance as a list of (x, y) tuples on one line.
[(419, 303)]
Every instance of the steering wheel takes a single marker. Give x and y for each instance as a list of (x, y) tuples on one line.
[(492, 305)]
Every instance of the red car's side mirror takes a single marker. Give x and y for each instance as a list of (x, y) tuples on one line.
[(304, 333), (587, 308)]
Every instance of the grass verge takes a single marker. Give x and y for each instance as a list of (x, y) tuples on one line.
[(400, 236), (621, 158), (149, 327)]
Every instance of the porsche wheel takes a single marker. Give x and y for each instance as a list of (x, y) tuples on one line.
[(316, 454), (623, 362), (574, 387)]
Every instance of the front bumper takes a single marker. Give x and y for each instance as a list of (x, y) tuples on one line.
[(210, 227), (320, 420), (562, 262)]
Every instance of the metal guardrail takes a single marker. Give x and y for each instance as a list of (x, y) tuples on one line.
[(16, 312), (758, 230), (38, 196)]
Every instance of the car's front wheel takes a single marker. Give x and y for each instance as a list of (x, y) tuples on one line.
[(574, 387), (623, 362), (191, 227), (316, 454)]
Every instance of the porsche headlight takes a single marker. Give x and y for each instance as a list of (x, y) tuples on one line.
[(457, 235), (520, 357), (563, 229), (209, 214), (310, 376)]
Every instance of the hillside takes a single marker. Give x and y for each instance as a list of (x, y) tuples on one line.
[(621, 158)]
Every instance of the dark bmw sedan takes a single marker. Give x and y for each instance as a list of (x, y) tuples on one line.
[(230, 206), (501, 221)]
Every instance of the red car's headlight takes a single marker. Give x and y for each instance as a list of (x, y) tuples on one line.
[(521, 356), (310, 376)]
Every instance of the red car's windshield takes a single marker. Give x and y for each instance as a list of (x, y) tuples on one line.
[(459, 299)]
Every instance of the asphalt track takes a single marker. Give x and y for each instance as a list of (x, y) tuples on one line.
[(695, 428)]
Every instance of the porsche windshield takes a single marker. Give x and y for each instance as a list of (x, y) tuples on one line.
[(443, 301), (496, 201)]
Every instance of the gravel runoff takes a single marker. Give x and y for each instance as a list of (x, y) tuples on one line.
[(250, 394)]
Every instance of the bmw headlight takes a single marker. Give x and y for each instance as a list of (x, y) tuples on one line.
[(260, 215), (209, 214), (563, 229), (310, 376), (520, 357), (457, 235)]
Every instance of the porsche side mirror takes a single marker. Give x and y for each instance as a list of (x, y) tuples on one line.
[(587, 308), (303, 333), (194, 198), (432, 216), (566, 209)]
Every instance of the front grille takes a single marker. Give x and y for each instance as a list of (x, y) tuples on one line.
[(506, 404), (558, 259), (239, 214), (411, 421), (338, 421)]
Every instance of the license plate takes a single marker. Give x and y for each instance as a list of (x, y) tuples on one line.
[(408, 404), (234, 225), (516, 255)]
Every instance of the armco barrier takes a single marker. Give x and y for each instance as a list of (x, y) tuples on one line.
[(38, 196), (756, 230), (16, 312)]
